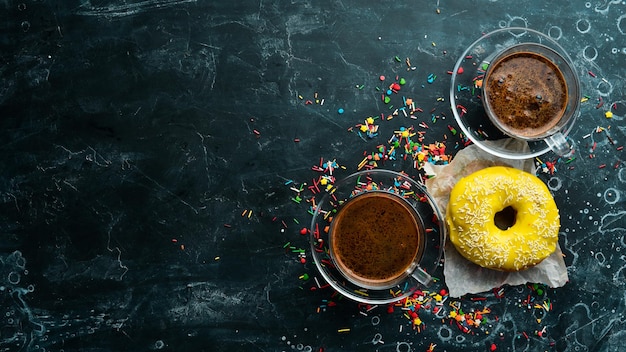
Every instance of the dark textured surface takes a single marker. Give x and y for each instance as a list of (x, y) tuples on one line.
[(133, 131)]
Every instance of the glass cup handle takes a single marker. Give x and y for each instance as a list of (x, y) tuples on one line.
[(423, 277), (559, 144)]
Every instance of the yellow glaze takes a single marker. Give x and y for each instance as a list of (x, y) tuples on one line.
[(474, 202)]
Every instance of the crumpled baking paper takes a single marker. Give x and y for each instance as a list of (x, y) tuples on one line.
[(461, 275)]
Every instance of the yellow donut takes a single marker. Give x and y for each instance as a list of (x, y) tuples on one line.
[(503, 218)]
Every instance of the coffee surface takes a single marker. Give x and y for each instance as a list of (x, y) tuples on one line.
[(375, 238), (526, 93)]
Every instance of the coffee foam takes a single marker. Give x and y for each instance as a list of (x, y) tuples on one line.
[(527, 94), (375, 238)]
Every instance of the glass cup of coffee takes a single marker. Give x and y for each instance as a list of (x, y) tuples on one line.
[(376, 236), (519, 84)]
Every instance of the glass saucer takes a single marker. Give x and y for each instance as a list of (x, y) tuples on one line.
[(465, 92), (359, 183)]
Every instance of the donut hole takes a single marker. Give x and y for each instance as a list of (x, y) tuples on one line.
[(505, 218)]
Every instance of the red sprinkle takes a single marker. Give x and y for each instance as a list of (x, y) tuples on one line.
[(592, 74), (600, 104)]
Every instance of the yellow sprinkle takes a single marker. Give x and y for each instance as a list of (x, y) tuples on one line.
[(362, 163), (584, 99), (608, 115), (344, 330), (361, 293), (249, 214)]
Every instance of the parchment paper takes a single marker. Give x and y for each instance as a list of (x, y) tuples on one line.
[(461, 275)]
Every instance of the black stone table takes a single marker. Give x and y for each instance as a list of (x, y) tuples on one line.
[(150, 148)]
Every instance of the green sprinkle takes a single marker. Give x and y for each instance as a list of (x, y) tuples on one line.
[(296, 221), (397, 59), (287, 244)]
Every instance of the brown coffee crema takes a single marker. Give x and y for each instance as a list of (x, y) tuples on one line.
[(376, 238), (527, 94)]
